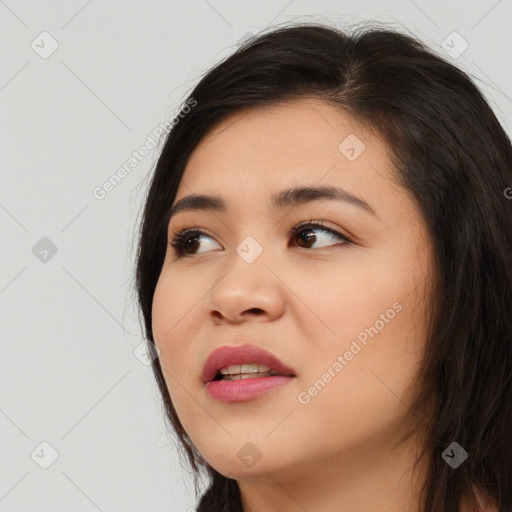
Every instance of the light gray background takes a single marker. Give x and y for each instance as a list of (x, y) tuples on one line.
[(68, 373)]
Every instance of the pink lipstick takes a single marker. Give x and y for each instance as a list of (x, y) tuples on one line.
[(242, 373)]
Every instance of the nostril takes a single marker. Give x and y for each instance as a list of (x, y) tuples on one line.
[(255, 310)]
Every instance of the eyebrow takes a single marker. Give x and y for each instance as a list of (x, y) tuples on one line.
[(286, 198)]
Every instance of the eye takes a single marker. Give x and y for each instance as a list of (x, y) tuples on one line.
[(186, 242), (305, 234)]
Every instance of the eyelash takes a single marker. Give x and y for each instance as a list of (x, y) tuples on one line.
[(179, 239)]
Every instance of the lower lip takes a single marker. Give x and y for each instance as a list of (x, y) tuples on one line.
[(245, 389)]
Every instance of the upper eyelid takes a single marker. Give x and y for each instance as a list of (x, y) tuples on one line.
[(301, 225)]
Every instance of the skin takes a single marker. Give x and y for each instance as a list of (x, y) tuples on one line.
[(305, 304)]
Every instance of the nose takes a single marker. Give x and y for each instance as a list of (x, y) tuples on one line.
[(245, 291)]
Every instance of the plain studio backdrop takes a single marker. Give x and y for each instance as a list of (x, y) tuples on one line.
[(85, 86)]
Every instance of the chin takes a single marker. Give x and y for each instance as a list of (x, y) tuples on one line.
[(243, 464)]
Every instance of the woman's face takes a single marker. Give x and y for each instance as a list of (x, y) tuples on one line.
[(346, 312)]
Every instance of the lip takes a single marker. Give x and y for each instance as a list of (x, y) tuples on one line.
[(231, 355), (245, 389)]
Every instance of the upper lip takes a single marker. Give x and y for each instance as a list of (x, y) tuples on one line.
[(242, 354)]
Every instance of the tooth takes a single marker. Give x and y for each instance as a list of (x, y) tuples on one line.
[(234, 369), (241, 376), (248, 368), (244, 368)]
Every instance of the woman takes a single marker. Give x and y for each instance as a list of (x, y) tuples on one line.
[(324, 267)]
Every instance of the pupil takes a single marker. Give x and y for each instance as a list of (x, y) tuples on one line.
[(308, 236), (191, 242)]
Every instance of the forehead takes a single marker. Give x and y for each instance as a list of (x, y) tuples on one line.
[(253, 154), (299, 131)]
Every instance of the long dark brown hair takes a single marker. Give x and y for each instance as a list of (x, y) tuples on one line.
[(451, 153)]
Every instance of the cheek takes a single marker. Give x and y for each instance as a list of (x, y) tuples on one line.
[(173, 328), (165, 310), (341, 302), (173, 311), (366, 400), (174, 301), (377, 324)]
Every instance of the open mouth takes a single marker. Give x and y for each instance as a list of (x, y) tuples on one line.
[(244, 362), (241, 376), (233, 382), (246, 371)]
